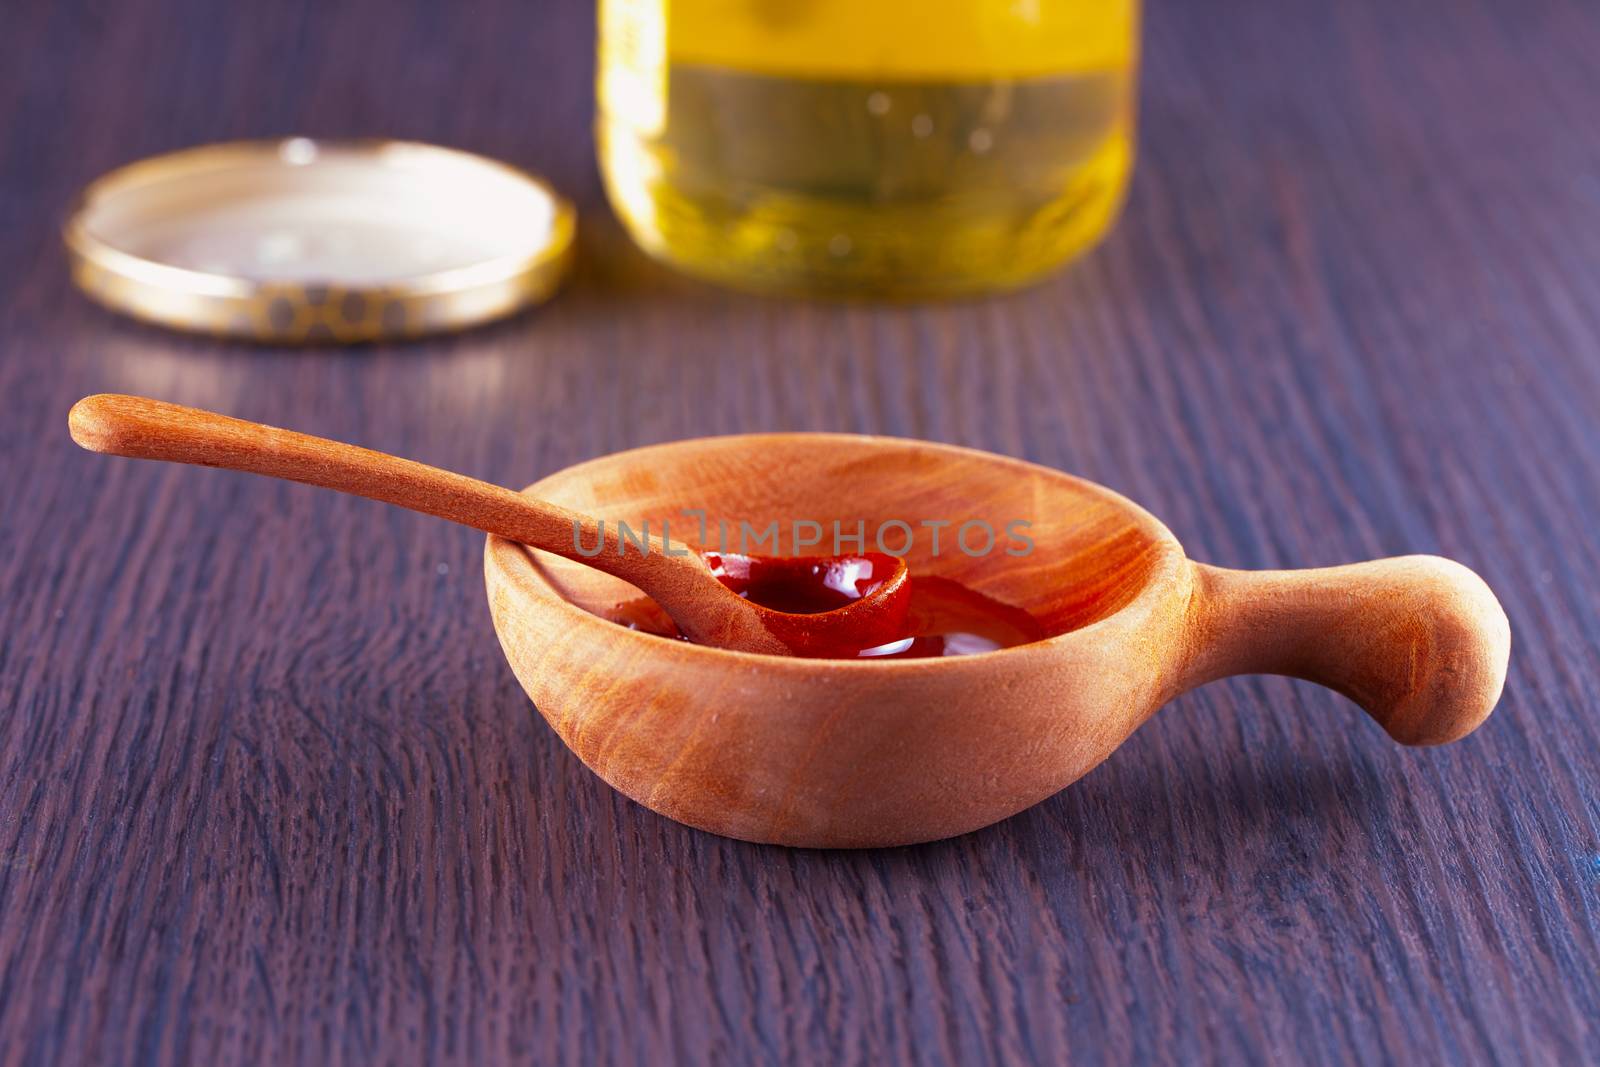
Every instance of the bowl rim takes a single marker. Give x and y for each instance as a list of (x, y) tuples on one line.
[(1168, 566)]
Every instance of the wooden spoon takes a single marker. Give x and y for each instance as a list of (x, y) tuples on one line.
[(704, 609)]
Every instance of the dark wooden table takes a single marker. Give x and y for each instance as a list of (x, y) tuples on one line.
[(268, 792)]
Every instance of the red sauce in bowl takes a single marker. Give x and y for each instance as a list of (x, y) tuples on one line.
[(944, 617)]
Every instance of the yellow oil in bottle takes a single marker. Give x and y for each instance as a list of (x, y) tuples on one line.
[(900, 148)]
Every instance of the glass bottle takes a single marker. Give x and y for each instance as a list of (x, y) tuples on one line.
[(881, 148)]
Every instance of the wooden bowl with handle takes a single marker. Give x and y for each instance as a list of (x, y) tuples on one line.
[(858, 753)]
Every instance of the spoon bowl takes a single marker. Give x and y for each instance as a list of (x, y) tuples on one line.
[(849, 753)]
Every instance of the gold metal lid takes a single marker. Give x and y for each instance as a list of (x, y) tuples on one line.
[(304, 241)]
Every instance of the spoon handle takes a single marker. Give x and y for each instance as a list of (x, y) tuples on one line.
[(1419, 642), (152, 429)]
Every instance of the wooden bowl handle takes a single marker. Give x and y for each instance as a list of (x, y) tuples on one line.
[(1419, 642)]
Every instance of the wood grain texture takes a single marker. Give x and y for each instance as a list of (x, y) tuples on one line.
[(274, 794)]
